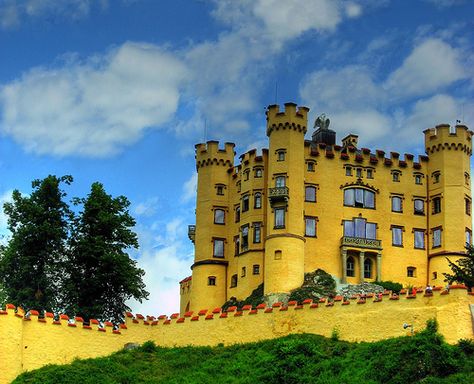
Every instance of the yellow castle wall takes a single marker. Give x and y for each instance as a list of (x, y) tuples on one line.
[(30, 344)]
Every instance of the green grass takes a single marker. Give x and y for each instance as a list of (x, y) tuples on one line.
[(423, 358)]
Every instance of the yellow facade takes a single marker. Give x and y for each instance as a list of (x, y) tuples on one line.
[(30, 343), (359, 214)]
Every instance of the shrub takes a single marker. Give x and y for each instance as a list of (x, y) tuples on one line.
[(390, 286), (316, 284)]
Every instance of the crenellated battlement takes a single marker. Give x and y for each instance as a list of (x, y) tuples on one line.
[(209, 153), (443, 136), (293, 117)]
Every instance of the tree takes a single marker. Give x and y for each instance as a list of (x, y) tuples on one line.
[(463, 269), (31, 262), (102, 275)]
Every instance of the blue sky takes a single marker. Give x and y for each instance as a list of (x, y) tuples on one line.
[(120, 91)]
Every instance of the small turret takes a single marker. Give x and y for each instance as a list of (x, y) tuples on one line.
[(291, 118)]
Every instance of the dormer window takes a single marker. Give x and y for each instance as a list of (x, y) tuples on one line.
[(280, 153), (396, 176)]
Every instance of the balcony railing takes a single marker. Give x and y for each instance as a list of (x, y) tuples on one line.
[(361, 242), (192, 232), (278, 194)]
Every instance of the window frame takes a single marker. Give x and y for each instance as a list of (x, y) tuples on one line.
[(257, 229), (256, 269), (234, 281), (433, 238), (258, 173), (310, 188), (417, 211), (350, 261), (423, 232), (436, 205), (245, 203), (393, 199), (215, 242), (411, 271), (357, 204), (216, 210), (275, 215), (257, 197), (211, 281), (395, 229), (313, 220)]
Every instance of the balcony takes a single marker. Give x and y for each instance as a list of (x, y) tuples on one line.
[(192, 232), (278, 194), (361, 242)]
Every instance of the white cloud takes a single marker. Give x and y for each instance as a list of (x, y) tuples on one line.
[(189, 189), (146, 208), (445, 3), (95, 107), (431, 65)]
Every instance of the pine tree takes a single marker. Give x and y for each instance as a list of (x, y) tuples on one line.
[(31, 263), (102, 275), (463, 269)]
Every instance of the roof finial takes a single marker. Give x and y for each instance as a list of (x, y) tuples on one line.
[(322, 122)]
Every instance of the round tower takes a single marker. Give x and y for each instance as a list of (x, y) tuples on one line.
[(284, 244), (211, 237), (449, 221)]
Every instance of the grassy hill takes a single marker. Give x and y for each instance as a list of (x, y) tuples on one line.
[(424, 358)]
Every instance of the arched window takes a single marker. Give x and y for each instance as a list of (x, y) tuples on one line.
[(258, 200), (367, 268), (350, 270), (359, 197)]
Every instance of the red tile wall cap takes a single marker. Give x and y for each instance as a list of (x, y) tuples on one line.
[(129, 314), (307, 301), (232, 309), (49, 314), (195, 318), (72, 325), (174, 316), (202, 312), (284, 308), (188, 314), (387, 161), (437, 288), (154, 322), (277, 304), (330, 304), (444, 293), (366, 150), (108, 324), (420, 290), (10, 306), (116, 331), (162, 317), (180, 320), (346, 302), (146, 322), (403, 291), (314, 305), (369, 295), (298, 307), (344, 156), (139, 316), (261, 306), (394, 297), (209, 317), (3, 312), (428, 294), (56, 322), (411, 296), (292, 303), (238, 313), (361, 301), (338, 298), (253, 312), (135, 321), (33, 312), (101, 329), (330, 154), (94, 321), (84, 326), (268, 310), (150, 318), (64, 317), (417, 165), (24, 318), (322, 300), (186, 279), (380, 152), (217, 310), (78, 319), (246, 307), (223, 315), (123, 326), (167, 322), (457, 286)]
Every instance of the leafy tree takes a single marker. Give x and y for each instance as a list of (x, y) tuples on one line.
[(463, 269), (31, 262), (102, 275)]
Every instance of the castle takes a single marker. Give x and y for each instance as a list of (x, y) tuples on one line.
[(360, 215)]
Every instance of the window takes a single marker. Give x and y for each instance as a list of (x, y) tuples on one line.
[(233, 281), (397, 204), (468, 206), (219, 216), (220, 190), (280, 181), (256, 269), (257, 233), (245, 203), (468, 236), (396, 176), (418, 179), (419, 238), (246, 174), (435, 275), (310, 226), (310, 166), (436, 237), (358, 197), (257, 200), (310, 194), (211, 280), (367, 268), (279, 217), (467, 178), (411, 272), (244, 272), (239, 186), (350, 270), (397, 236), (370, 174), (358, 227), (278, 255), (348, 171), (436, 177), (245, 238), (237, 214), (236, 245), (419, 206), (258, 173), (218, 248), (436, 205), (281, 155), (358, 173)]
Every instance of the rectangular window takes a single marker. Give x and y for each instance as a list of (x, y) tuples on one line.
[(280, 181), (419, 206), (349, 228), (418, 179), (310, 166), (257, 232), (233, 281), (358, 197), (348, 171), (310, 194), (279, 217), (218, 248), (358, 173), (310, 226), (236, 245), (371, 231), (258, 173), (419, 238), (245, 203), (436, 205), (258, 200), (237, 214), (244, 272), (219, 216), (246, 174), (468, 206), (468, 236), (436, 237), (360, 228), (397, 204), (397, 236), (411, 272), (245, 238), (256, 269), (370, 174)]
